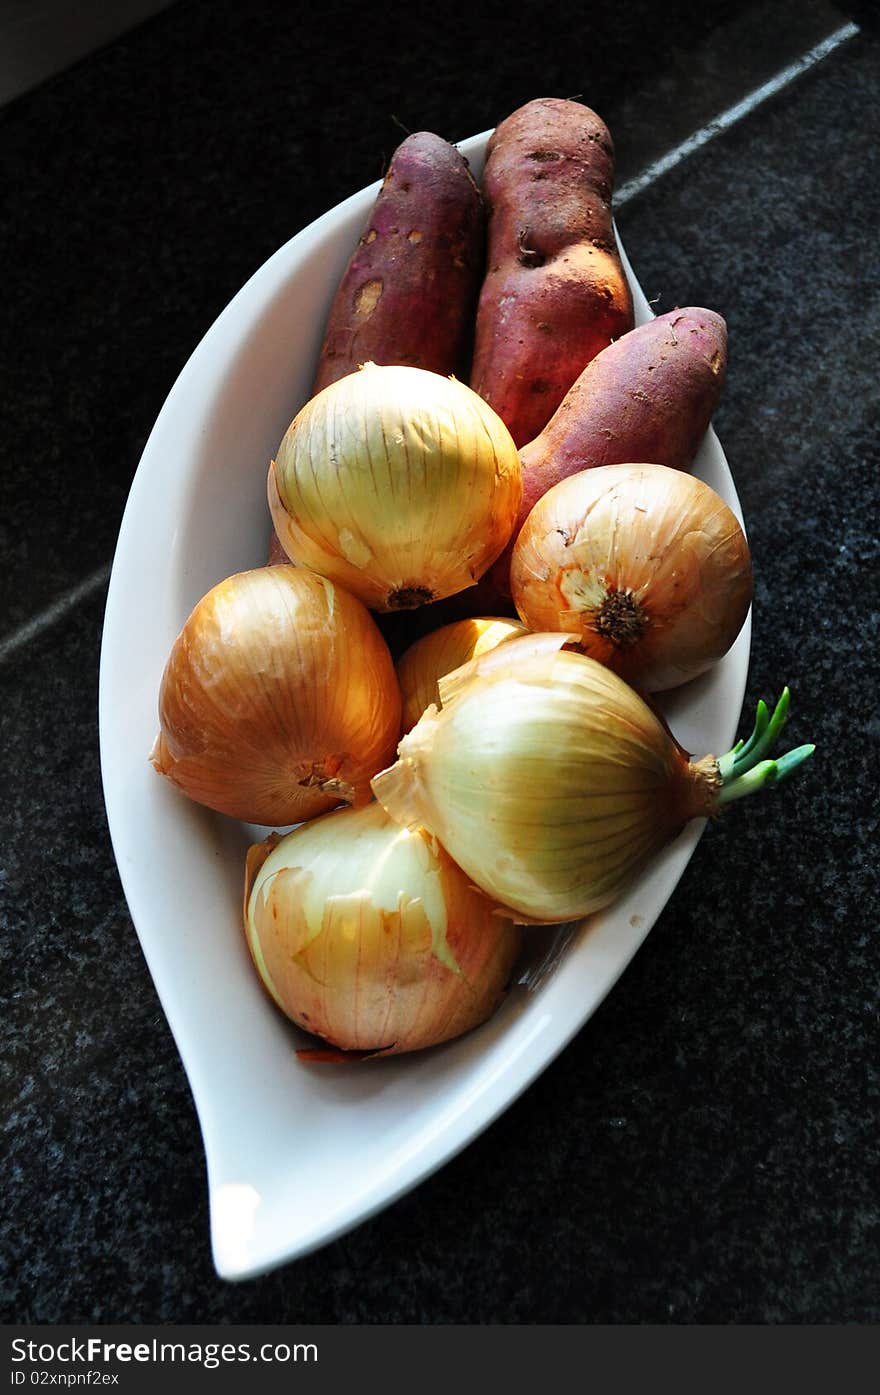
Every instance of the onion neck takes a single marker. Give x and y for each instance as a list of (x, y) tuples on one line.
[(700, 789)]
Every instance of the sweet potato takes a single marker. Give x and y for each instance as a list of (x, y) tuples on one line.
[(409, 293), (555, 293), (648, 396)]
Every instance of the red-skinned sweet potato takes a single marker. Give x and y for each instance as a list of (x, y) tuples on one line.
[(555, 293), (409, 293), (648, 396)]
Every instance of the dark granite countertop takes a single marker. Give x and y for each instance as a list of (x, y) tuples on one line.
[(706, 1149)]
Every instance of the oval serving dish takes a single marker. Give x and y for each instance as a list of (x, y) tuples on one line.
[(299, 1153)]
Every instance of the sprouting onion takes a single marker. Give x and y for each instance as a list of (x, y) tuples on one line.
[(552, 783)]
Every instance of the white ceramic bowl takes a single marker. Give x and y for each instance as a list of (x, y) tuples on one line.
[(297, 1153)]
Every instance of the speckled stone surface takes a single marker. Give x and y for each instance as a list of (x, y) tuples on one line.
[(706, 1149)]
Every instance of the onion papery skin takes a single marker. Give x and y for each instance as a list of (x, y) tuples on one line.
[(398, 483), (647, 566), (547, 778), (279, 699), (368, 935), (440, 652)]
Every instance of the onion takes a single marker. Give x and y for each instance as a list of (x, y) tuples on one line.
[(367, 935), (400, 484), (441, 651), (552, 783), (279, 699), (646, 565)]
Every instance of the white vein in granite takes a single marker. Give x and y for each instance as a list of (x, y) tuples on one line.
[(733, 114), (51, 614)]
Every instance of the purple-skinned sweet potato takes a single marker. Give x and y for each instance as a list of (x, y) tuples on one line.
[(555, 293), (649, 396), (409, 293)]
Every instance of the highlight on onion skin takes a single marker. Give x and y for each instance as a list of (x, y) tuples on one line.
[(440, 652), (369, 936), (279, 699), (647, 566), (398, 483), (552, 783)]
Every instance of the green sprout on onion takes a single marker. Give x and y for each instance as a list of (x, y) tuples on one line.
[(747, 766)]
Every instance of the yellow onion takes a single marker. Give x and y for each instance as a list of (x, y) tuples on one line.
[(645, 565), (368, 935), (400, 484), (552, 783), (441, 651), (279, 699)]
